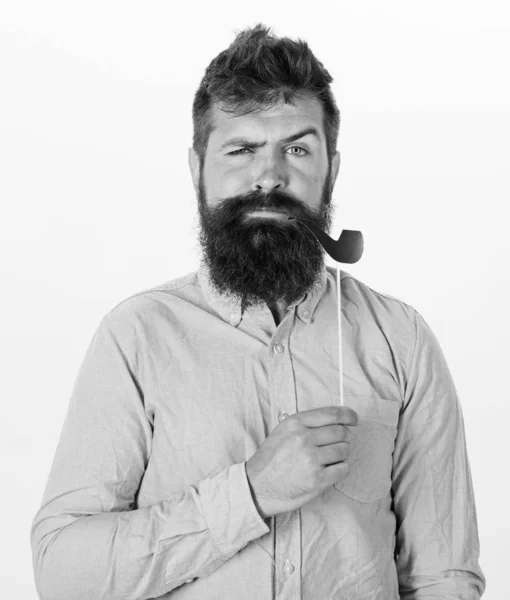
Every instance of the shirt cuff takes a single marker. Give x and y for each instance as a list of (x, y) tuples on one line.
[(229, 510)]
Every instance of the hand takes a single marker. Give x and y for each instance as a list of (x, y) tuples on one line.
[(300, 458)]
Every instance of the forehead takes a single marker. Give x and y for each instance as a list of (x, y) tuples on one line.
[(277, 121)]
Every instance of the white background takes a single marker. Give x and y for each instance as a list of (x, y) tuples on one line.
[(97, 201)]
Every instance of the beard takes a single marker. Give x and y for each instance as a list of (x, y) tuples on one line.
[(259, 260)]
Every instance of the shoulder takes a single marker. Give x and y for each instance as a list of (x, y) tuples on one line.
[(143, 308), (373, 310), (383, 303)]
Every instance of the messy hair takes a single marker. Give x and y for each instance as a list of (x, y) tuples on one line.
[(257, 72)]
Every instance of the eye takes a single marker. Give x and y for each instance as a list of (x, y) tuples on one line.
[(241, 150), (237, 152), (298, 148)]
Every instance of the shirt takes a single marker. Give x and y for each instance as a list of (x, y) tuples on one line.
[(148, 497)]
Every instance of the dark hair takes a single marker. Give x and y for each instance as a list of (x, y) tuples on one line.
[(256, 72)]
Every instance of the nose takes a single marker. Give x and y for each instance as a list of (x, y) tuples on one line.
[(272, 178), (268, 185)]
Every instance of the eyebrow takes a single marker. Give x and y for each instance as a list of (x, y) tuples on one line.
[(242, 141)]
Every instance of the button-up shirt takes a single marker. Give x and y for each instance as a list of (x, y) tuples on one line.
[(148, 497)]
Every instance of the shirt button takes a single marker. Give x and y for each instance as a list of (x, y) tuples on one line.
[(278, 348), (281, 416), (306, 313), (289, 567)]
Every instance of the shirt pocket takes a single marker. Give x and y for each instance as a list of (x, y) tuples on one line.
[(371, 449)]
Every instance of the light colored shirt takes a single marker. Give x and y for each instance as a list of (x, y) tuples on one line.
[(148, 498)]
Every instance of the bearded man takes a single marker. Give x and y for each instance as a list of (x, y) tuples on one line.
[(205, 454)]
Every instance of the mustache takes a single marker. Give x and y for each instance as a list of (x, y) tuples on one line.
[(271, 201)]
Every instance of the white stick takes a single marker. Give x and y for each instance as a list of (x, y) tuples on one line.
[(340, 358)]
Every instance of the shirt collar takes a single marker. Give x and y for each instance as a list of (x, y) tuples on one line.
[(230, 310)]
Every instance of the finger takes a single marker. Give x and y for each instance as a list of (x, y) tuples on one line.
[(331, 434), (333, 453), (328, 415)]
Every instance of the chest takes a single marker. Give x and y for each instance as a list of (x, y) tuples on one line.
[(219, 394)]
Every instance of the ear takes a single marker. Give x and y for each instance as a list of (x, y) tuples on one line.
[(194, 167), (335, 167)]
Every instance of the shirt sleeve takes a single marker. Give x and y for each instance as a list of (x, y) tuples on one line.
[(88, 539), (437, 546)]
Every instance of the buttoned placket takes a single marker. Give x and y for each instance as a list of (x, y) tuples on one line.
[(287, 526)]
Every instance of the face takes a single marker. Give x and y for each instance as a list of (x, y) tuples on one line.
[(263, 258)]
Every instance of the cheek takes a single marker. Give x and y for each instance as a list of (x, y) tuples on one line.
[(309, 181), (224, 183), (234, 177), (310, 172)]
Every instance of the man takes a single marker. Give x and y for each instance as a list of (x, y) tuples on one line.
[(204, 454)]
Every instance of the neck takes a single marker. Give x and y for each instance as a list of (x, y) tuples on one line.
[(278, 310)]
